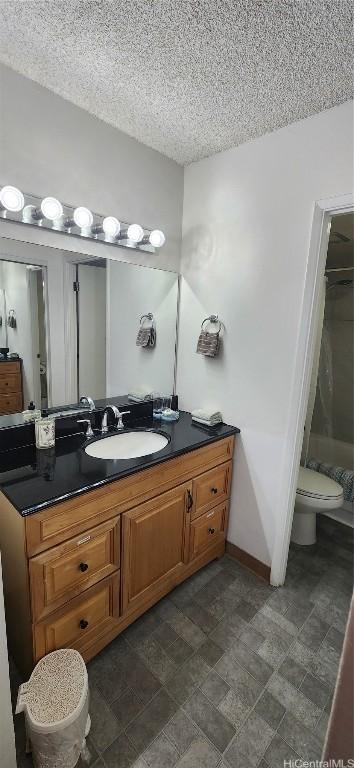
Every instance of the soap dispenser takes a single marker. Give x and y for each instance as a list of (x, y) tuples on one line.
[(31, 413), (45, 431)]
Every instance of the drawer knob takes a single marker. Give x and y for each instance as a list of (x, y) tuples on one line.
[(214, 490), (211, 530), (83, 567), (83, 623)]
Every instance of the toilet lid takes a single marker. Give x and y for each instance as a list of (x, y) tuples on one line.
[(311, 483)]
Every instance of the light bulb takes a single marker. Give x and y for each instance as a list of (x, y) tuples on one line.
[(83, 217), (12, 199), (51, 208), (111, 226), (135, 233), (157, 238)]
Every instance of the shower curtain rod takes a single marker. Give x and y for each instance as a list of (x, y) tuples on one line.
[(340, 269)]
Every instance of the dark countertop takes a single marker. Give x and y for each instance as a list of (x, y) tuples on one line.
[(33, 480)]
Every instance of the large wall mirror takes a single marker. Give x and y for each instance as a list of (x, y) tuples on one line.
[(74, 325)]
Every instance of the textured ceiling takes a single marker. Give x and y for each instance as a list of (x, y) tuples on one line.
[(187, 77)]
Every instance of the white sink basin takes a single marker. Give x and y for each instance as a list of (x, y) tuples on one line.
[(128, 445)]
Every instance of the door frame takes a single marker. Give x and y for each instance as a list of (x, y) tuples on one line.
[(304, 355)]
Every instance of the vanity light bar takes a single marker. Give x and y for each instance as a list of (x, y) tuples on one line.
[(50, 213)]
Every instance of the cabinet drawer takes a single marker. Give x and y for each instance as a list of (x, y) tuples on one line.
[(11, 403), (10, 384), (209, 529), (6, 369), (65, 571), (82, 622), (210, 489)]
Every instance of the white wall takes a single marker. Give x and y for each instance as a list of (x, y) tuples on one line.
[(7, 740), (132, 293), (48, 146), (246, 229)]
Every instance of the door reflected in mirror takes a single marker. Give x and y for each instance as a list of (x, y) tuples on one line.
[(23, 361), (82, 326)]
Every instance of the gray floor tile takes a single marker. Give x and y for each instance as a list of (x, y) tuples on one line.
[(321, 727), (200, 616), (279, 753), (146, 726), (104, 725), (135, 675), (313, 632), (165, 635), (294, 701), (251, 637), (298, 612), (214, 687), (274, 649), (199, 755), (155, 658), (279, 601), (245, 686), (251, 661), (301, 654), (126, 708), (315, 690), (179, 651), (189, 631), (246, 610), (218, 730), (292, 671), (251, 742), (281, 621), (181, 731), (270, 709), (121, 754), (107, 675), (335, 639), (234, 709), (142, 628), (226, 632), (186, 679), (161, 753), (301, 739), (210, 652)]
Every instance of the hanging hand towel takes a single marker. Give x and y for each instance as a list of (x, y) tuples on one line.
[(143, 337), (147, 333), (209, 343)]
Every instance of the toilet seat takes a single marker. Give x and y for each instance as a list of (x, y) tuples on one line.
[(315, 485)]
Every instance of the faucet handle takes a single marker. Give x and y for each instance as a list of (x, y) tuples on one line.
[(120, 424), (89, 431)]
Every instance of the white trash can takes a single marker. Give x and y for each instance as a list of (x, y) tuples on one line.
[(55, 703)]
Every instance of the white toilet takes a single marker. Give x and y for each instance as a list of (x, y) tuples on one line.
[(315, 493)]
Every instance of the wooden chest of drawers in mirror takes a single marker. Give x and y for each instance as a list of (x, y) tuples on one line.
[(11, 394)]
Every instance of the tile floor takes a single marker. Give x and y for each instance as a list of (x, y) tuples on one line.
[(226, 671)]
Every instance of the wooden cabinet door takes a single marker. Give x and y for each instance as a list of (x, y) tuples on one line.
[(155, 545), (209, 529)]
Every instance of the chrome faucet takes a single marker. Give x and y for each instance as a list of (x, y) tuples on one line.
[(118, 417), (87, 401)]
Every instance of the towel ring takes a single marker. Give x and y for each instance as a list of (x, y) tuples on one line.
[(149, 316), (214, 319)]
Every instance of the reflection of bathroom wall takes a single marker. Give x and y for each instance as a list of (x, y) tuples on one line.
[(92, 318), (339, 316), (3, 334), (134, 292)]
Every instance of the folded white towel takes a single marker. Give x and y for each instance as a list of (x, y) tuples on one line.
[(207, 414), (139, 395), (207, 423)]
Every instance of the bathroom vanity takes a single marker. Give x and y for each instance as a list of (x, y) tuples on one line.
[(89, 544)]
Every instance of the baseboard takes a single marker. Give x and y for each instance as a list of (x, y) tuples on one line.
[(256, 566)]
